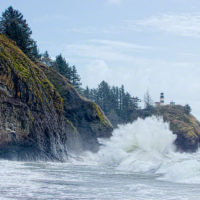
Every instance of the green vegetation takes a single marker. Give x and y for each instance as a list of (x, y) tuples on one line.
[(69, 72), (187, 109), (61, 66), (32, 105), (183, 124), (14, 26), (46, 59), (118, 105), (14, 60), (72, 126), (101, 116), (115, 102)]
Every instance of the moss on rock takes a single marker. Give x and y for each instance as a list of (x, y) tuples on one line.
[(15, 62), (85, 115), (41, 112), (184, 125), (101, 116), (31, 111)]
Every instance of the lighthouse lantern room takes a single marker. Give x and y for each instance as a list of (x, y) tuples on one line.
[(162, 101)]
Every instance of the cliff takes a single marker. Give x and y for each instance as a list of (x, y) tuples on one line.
[(85, 115), (183, 124), (39, 119)]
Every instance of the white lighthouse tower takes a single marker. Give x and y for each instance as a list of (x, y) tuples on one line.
[(162, 100)]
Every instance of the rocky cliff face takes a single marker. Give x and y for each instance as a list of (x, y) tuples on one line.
[(35, 121), (184, 125), (84, 115)]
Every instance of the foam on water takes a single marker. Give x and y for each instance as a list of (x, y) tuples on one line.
[(132, 164), (147, 146)]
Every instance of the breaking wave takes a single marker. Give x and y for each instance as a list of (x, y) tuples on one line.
[(147, 147)]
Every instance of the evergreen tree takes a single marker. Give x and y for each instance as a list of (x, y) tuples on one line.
[(118, 105), (75, 78), (34, 53), (121, 99), (14, 26), (93, 95), (115, 98), (63, 67), (46, 59), (104, 96), (187, 109), (87, 92)]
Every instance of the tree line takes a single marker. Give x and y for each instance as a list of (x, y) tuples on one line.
[(118, 105), (15, 27), (62, 66)]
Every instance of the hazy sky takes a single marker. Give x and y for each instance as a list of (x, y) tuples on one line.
[(144, 44)]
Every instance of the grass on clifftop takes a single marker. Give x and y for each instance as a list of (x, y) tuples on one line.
[(13, 60), (180, 121), (101, 116)]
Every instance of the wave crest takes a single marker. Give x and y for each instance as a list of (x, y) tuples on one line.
[(147, 146)]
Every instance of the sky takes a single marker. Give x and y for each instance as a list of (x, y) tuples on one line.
[(146, 45)]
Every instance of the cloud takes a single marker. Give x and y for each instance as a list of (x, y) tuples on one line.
[(97, 67), (119, 44), (187, 25), (183, 24), (108, 50)]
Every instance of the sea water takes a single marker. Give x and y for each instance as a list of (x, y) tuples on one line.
[(139, 162)]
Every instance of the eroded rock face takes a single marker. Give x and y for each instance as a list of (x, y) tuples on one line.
[(184, 125), (86, 116), (31, 109), (33, 123)]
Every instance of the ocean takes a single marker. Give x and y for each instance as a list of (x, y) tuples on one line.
[(139, 162)]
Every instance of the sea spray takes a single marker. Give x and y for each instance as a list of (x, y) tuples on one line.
[(147, 146), (144, 141)]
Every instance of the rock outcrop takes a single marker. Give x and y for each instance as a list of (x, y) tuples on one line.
[(183, 124), (39, 119), (84, 115)]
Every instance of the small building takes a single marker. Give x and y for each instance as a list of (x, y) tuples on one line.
[(162, 100)]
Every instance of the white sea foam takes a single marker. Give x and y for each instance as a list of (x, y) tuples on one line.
[(147, 146), (132, 164)]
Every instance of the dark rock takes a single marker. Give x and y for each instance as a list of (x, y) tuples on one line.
[(183, 124), (33, 123), (86, 116)]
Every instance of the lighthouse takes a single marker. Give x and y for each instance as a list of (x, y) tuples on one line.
[(162, 101)]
